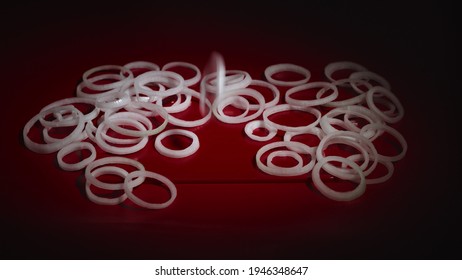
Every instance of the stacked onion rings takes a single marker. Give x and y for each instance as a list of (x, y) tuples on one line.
[(126, 108)]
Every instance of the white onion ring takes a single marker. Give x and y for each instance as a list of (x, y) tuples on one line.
[(235, 101), (150, 110), (178, 105), (246, 92), (189, 82), (102, 128), (251, 126), (90, 130), (314, 131), (383, 127), (335, 195), (50, 139), (292, 154), (48, 148), (388, 94), (130, 184), (333, 67), (191, 149), (142, 65), (69, 101), (391, 107), (367, 76), (91, 83), (139, 117), (110, 160), (138, 97), (114, 101), (355, 140), (108, 120), (274, 90), (285, 171), (229, 84), (361, 112), (72, 147), (316, 102), (104, 93), (359, 99), (113, 170), (329, 119), (123, 141), (388, 165), (194, 123), (273, 69), (158, 76), (287, 107)]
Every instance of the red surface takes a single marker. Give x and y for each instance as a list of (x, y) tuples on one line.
[(226, 207)]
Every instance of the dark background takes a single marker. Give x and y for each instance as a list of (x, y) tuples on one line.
[(230, 214)]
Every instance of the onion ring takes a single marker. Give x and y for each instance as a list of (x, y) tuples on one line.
[(367, 75), (359, 99), (158, 76), (104, 93), (292, 154), (189, 82), (333, 67), (92, 85), (273, 69), (287, 107), (335, 195), (229, 84), (142, 65), (285, 171), (102, 128), (110, 160), (235, 101), (123, 141), (391, 131), (318, 101), (388, 165), (113, 170), (355, 140), (139, 117), (50, 139), (274, 90), (130, 184), (385, 92), (72, 147), (251, 126), (183, 123), (246, 92), (68, 101), (178, 106), (48, 148), (314, 131), (191, 149)]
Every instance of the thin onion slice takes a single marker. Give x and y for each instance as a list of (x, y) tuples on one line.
[(130, 184), (273, 69), (105, 170), (286, 171), (287, 107), (76, 146), (47, 148), (336, 195), (191, 149)]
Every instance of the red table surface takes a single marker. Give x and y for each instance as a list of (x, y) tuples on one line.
[(226, 208)]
